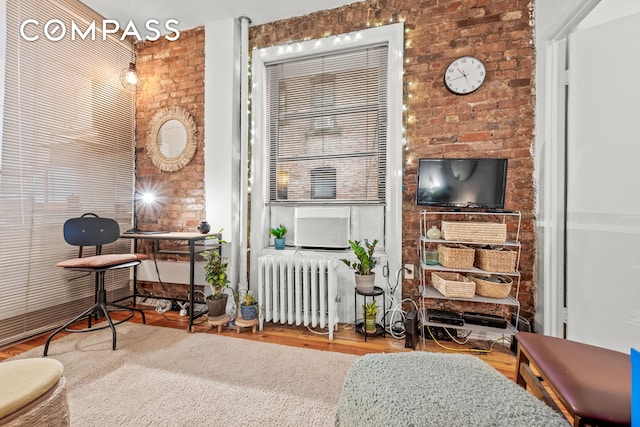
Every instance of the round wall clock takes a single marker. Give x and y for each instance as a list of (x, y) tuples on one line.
[(465, 75)]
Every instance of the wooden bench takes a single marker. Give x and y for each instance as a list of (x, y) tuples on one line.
[(592, 383)]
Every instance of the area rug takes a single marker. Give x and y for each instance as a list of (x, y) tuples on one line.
[(168, 377), (436, 390)]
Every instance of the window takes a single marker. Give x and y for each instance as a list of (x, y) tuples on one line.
[(67, 147), (327, 127), (323, 183), (327, 130)]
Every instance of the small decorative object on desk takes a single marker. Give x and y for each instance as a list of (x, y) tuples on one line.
[(278, 234), (434, 233), (204, 227)]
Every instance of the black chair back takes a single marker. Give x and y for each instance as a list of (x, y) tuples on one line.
[(91, 230)]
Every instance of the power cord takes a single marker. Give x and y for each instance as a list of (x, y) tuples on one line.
[(395, 314), (470, 350)]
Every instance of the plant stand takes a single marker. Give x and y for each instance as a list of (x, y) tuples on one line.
[(241, 323), (219, 321), (359, 326)]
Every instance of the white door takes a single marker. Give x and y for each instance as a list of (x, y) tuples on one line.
[(603, 185)]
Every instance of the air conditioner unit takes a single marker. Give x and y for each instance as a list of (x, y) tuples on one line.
[(322, 227)]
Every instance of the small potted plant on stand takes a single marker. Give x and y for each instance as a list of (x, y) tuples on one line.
[(365, 278), (215, 269), (278, 234), (369, 312), (248, 307)]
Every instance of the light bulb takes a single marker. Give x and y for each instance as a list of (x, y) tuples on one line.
[(148, 198), (132, 77)]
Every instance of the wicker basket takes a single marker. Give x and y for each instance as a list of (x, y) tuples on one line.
[(491, 289), (499, 260), (480, 232), (456, 256), (453, 285)]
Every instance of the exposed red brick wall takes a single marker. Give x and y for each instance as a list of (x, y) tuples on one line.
[(173, 74), (495, 121)]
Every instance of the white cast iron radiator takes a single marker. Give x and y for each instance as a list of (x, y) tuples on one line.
[(298, 290)]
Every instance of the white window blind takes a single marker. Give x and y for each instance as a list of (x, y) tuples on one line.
[(66, 149), (327, 127)]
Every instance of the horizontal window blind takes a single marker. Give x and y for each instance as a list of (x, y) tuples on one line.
[(327, 118), (66, 149)]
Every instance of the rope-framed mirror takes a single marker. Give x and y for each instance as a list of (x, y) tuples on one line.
[(171, 140)]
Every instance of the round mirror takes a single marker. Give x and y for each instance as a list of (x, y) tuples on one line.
[(171, 142), (172, 138)]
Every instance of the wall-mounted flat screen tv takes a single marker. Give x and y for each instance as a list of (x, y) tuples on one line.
[(462, 183)]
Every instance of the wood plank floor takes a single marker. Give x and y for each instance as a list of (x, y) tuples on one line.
[(346, 340)]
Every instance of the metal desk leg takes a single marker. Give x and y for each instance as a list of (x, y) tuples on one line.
[(135, 274), (192, 255)]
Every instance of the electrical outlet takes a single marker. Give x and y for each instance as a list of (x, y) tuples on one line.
[(409, 271)]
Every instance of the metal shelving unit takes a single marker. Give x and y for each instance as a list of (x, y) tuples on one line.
[(429, 292)]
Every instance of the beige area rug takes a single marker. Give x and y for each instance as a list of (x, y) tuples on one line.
[(168, 377)]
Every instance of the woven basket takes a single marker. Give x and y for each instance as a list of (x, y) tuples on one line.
[(491, 289), (456, 256), (498, 260), (453, 285), (480, 232)]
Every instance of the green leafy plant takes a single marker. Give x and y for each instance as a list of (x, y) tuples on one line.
[(370, 309), (278, 232), (248, 299), (366, 262), (215, 269)]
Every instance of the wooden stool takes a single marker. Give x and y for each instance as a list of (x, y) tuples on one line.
[(593, 383), (219, 321), (241, 323)]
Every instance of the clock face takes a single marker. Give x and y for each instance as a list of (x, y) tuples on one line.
[(465, 75)]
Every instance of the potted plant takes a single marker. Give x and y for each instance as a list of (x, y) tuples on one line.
[(215, 269), (369, 312), (278, 234), (365, 278), (248, 307)]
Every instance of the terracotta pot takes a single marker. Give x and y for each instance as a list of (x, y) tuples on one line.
[(217, 307), (365, 284)]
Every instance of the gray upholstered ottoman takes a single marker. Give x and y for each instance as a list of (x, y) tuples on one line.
[(433, 389)]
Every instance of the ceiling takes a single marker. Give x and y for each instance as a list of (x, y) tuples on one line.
[(192, 13)]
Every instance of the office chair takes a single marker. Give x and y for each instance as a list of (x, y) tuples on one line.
[(91, 230)]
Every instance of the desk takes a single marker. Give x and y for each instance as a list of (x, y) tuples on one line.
[(190, 249)]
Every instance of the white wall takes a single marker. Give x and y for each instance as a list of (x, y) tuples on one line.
[(603, 207), (222, 133), (554, 22)]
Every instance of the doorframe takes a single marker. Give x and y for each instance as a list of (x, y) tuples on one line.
[(550, 166)]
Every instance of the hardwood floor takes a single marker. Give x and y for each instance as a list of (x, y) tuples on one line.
[(346, 340)]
